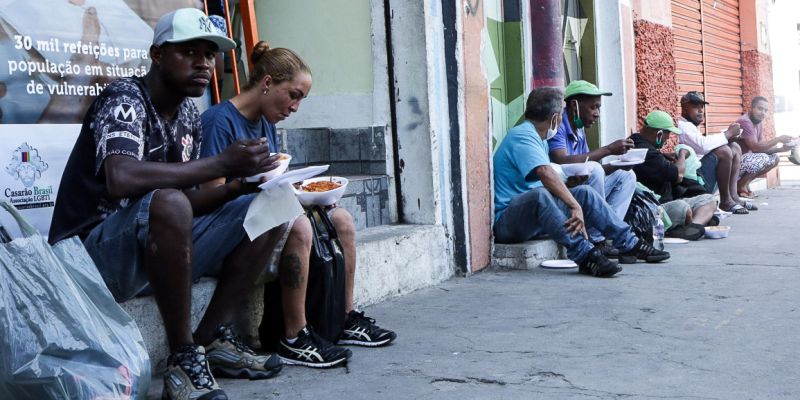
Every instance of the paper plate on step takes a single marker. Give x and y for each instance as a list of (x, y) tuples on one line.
[(558, 264), (675, 241)]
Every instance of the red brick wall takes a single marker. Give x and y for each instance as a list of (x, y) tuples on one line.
[(757, 81), (655, 72)]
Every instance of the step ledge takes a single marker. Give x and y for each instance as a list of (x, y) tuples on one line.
[(393, 260), (527, 255)]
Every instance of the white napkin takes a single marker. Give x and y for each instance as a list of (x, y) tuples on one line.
[(270, 208)]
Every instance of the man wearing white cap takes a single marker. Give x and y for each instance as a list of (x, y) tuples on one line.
[(129, 191)]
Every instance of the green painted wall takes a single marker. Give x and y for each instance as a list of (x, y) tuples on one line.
[(508, 90), (333, 36)]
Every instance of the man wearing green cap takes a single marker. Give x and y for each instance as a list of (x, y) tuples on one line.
[(531, 199), (689, 206), (569, 145), (129, 191)]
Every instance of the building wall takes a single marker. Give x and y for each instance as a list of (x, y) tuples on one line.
[(757, 64), (655, 69), (344, 43), (477, 138)]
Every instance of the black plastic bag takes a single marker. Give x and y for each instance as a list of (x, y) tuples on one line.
[(641, 215), (325, 293)]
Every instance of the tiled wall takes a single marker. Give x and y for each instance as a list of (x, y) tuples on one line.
[(358, 154), (360, 151)]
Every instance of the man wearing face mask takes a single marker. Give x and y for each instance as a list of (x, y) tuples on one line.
[(532, 200), (689, 206), (569, 145)]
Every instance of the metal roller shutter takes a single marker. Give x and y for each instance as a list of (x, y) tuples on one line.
[(708, 56)]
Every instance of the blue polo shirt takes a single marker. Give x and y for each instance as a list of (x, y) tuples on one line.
[(573, 142), (519, 153)]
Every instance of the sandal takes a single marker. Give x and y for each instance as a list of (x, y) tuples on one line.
[(739, 209), (748, 195), (750, 206)]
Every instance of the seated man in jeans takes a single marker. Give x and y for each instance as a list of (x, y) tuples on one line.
[(569, 145), (129, 192), (531, 199)]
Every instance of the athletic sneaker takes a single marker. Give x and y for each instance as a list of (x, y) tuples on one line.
[(596, 264), (360, 330), (229, 357), (643, 251), (188, 377), (608, 250), (311, 350)]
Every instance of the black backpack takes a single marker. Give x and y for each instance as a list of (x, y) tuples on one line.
[(641, 215), (325, 293)]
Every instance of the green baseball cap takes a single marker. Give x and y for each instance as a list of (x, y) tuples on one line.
[(187, 24), (661, 120), (583, 87)]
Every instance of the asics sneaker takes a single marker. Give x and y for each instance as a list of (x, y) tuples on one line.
[(360, 330), (311, 350)]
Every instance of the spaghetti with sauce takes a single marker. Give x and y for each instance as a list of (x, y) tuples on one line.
[(321, 186)]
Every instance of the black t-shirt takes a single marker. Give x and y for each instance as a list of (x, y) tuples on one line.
[(122, 120), (661, 175)]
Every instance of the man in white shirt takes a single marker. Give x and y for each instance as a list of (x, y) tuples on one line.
[(719, 155)]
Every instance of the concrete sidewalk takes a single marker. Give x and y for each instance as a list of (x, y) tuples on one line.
[(718, 321)]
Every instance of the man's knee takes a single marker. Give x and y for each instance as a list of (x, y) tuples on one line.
[(597, 175), (172, 208), (626, 178), (723, 153), (584, 193), (735, 148)]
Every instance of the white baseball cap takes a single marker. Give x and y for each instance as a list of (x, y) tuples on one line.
[(187, 24)]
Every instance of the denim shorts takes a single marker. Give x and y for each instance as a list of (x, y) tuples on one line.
[(117, 244)]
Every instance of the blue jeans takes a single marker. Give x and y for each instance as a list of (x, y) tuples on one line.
[(708, 170), (117, 244), (617, 189), (537, 212)]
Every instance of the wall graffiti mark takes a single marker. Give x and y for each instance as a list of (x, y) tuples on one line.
[(470, 8)]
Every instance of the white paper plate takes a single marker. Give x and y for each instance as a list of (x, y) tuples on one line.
[(558, 264), (675, 241), (620, 163)]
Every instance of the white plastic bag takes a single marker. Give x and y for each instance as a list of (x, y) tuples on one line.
[(62, 335)]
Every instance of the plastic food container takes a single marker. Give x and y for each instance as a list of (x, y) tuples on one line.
[(283, 164), (577, 169), (325, 198), (717, 232)]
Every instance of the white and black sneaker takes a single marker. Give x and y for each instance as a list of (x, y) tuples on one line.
[(360, 330), (189, 378), (310, 350)]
